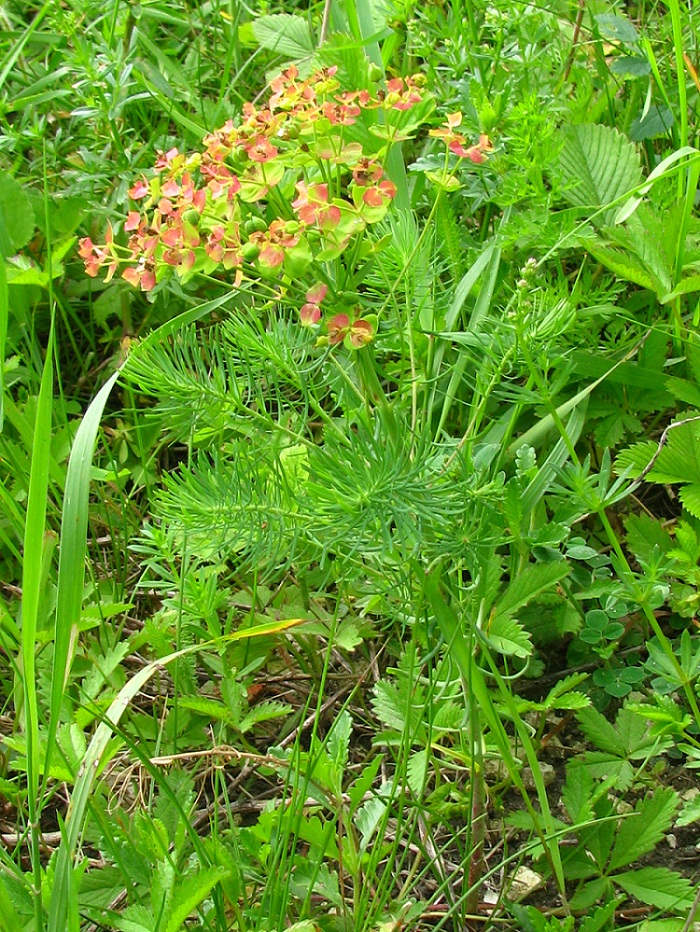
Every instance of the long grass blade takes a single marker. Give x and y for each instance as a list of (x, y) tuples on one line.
[(34, 533)]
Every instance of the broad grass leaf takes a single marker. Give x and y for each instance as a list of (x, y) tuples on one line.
[(657, 886), (640, 832), (598, 164), (284, 33)]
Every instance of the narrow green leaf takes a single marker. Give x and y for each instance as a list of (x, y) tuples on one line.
[(34, 531), (73, 545)]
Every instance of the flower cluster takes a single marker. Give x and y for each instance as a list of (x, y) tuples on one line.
[(287, 186), (455, 142)]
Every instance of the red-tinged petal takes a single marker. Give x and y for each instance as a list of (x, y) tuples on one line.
[(190, 235), (172, 236), (86, 247), (132, 221), (170, 189), (373, 198), (139, 190), (309, 314), (172, 256), (148, 280), (131, 275), (459, 150), (361, 333), (329, 217), (337, 327), (271, 256), (475, 155), (316, 294)]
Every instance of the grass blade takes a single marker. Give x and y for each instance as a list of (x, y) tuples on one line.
[(34, 533)]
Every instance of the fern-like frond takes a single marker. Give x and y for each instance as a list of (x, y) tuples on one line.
[(236, 506)]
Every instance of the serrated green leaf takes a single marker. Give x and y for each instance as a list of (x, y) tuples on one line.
[(657, 886), (685, 286), (368, 817), (690, 812), (599, 165), (625, 266), (211, 708), (600, 918), (508, 637), (535, 579), (685, 391), (655, 122), (599, 730), (634, 460), (589, 894), (617, 28), (646, 536), (629, 66), (577, 795), (191, 892), (641, 831), (264, 711), (690, 498), (338, 739), (284, 33)]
